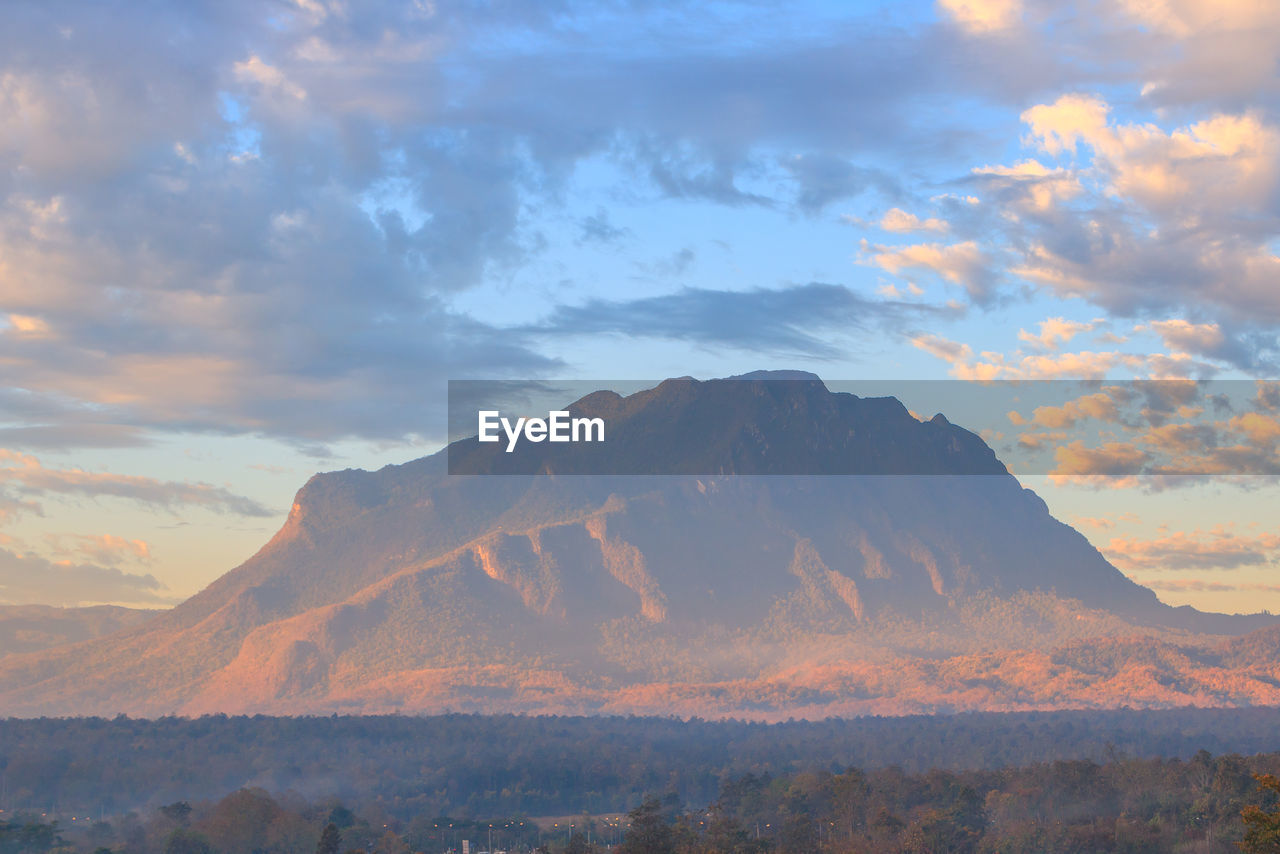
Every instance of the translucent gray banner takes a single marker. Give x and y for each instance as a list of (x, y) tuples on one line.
[(796, 424)]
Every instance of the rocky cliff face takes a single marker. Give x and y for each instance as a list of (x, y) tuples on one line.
[(747, 584)]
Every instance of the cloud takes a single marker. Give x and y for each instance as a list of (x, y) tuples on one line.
[(1261, 430), (1035, 440), (676, 264), (24, 475), (1268, 395), (1196, 188), (263, 228), (786, 320), (898, 220), (1029, 185), (822, 179), (992, 365), (1185, 18), (1218, 548), (597, 228), (98, 549), (1083, 364), (28, 326), (942, 348), (1054, 332), (983, 16), (75, 435), (1073, 118), (1100, 406), (893, 292), (27, 579), (963, 264), (682, 175), (1103, 523), (1141, 220), (1109, 458), (1195, 585), (268, 77), (261, 223), (1182, 438)]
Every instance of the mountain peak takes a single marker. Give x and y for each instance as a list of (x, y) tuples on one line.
[(805, 376)]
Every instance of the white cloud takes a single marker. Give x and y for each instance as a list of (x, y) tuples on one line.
[(898, 220), (942, 348), (269, 77), (891, 291), (1185, 337), (963, 264), (983, 16), (1186, 18), (1031, 185), (1054, 332)]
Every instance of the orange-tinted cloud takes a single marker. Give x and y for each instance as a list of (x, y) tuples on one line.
[(1218, 548), (1054, 332), (981, 17), (900, 221), (101, 549), (1195, 585), (1109, 458), (1099, 406), (963, 264)]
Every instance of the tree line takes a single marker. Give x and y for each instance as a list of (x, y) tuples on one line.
[(470, 766), (1202, 804)]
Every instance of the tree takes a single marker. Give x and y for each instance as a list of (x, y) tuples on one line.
[(1263, 828), (341, 817), (238, 823), (330, 840), (179, 813), (391, 843), (650, 832), (184, 841), (577, 844)]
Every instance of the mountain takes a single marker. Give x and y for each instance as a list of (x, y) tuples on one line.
[(749, 583), (27, 628)]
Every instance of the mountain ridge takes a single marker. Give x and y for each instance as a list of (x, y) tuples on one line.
[(413, 589)]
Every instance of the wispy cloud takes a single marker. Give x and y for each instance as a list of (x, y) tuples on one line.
[(796, 320), (24, 479)]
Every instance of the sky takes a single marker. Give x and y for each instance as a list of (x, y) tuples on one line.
[(243, 242)]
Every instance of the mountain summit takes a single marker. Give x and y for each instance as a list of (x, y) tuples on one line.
[(708, 571)]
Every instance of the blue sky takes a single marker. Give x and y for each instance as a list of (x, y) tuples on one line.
[(243, 242)]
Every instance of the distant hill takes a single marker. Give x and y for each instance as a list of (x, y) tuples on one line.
[(28, 628), (748, 585)]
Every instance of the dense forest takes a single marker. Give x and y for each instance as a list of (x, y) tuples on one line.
[(469, 766), (1203, 804)]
